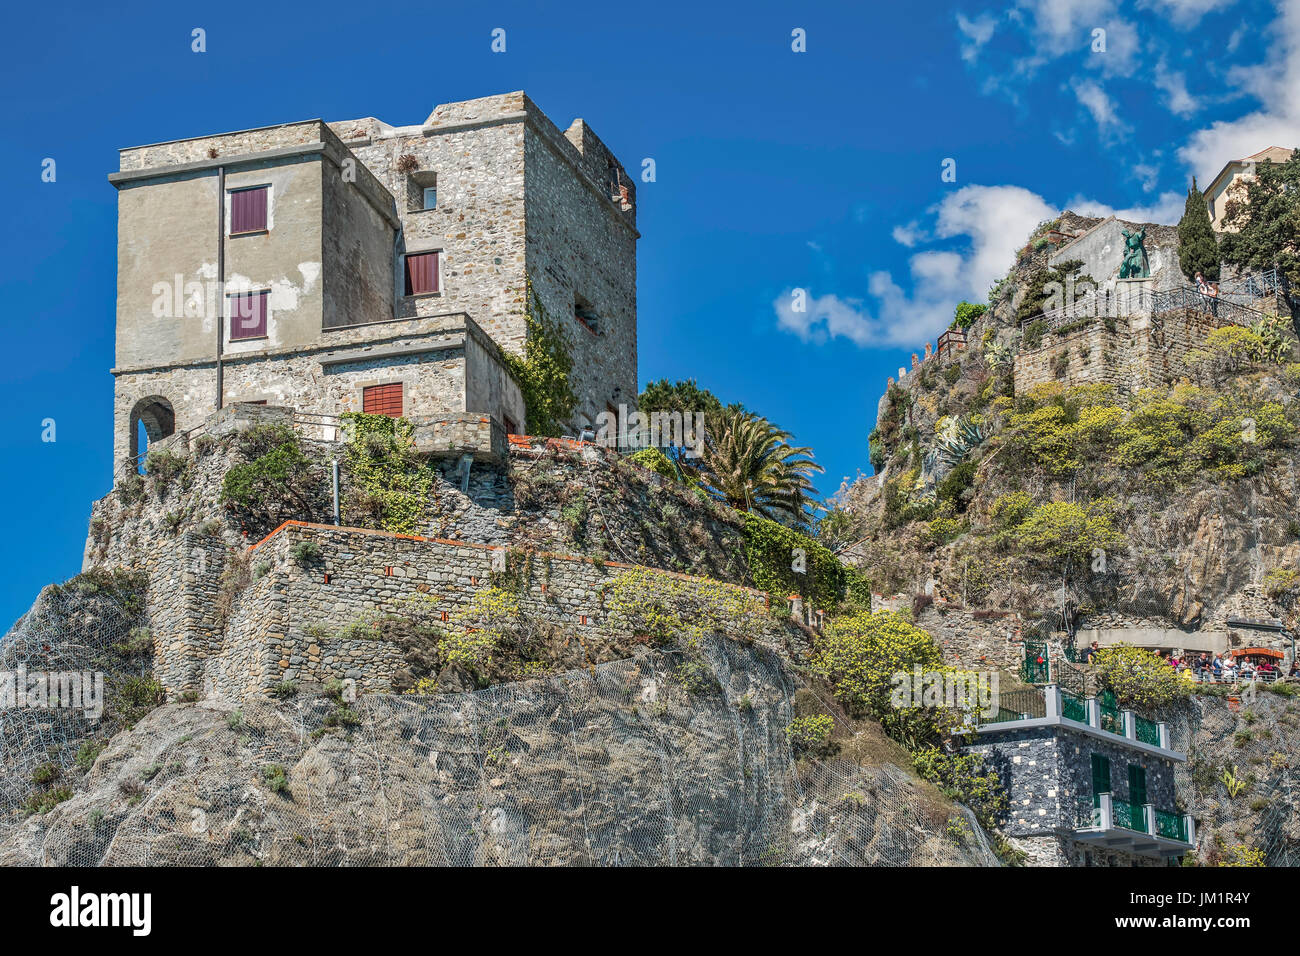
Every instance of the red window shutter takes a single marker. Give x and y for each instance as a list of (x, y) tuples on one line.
[(248, 315), (248, 210), (422, 273), (382, 400)]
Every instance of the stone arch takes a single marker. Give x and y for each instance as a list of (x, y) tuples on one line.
[(158, 418)]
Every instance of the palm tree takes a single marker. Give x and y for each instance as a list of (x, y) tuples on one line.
[(750, 464)]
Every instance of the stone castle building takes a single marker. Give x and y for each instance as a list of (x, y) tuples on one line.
[(357, 266)]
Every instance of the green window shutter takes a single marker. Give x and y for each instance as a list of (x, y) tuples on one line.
[(1100, 774), (1137, 785)]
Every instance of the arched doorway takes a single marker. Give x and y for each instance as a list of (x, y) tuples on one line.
[(152, 419)]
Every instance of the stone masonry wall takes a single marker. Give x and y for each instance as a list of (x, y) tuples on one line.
[(284, 627), (1046, 770), (1143, 351)]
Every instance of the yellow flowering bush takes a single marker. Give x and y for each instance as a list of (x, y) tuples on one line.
[(1139, 679)]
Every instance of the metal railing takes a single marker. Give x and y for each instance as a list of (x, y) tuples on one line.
[(1147, 731), (1130, 816), (1073, 708), (1110, 717), (1104, 811), (1172, 300), (1171, 826), (1257, 285), (1018, 705)]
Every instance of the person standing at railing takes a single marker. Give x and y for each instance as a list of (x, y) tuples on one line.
[(1216, 667), (1213, 294), (1200, 284)]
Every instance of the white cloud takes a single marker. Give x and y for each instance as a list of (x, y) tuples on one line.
[(1185, 13), (1167, 209), (1101, 107), (1123, 48), (1061, 26), (908, 235), (1173, 83), (1148, 175), (994, 219), (1276, 84), (977, 32)]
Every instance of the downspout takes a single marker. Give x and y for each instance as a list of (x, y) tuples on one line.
[(221, 279)]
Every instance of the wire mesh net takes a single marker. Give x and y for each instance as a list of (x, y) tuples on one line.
[(71, 633), (672, 758)]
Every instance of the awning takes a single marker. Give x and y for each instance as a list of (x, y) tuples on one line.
[(1257, 651)]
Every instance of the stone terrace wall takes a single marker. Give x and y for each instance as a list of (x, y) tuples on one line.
[(1092, 355), (280, 628), (1142, 352)]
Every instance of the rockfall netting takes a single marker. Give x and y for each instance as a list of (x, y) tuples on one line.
[(669, 758), (87, 627)]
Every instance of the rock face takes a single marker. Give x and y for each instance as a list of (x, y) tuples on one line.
[(664, 759), (1240, 779)]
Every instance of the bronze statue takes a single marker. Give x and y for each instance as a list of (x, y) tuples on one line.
[(1134, 265)]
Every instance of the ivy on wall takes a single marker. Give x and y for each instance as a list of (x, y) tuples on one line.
[(544, 370), (390, 487), (770, 549), (276, 481)]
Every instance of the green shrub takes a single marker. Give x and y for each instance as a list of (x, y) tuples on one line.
[(811, 736), (1139, 679), (305, 553), (391, 486), (88, 753), (276, 483), (966, 779), (277, 781), (967, 313), (45, 800)]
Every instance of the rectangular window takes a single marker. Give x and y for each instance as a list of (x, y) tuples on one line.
[(248, 210), (1137, 785), (247, 315), (1100, 774), (430, 197), (382, 400), (422, 273), (511, 427)]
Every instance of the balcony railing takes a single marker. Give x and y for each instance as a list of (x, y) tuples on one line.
[(1018, 705), (1191, 300), (1101, 814), (1101, 713), (1171, 826), (1110, 717), (1147, 731), (1130, 816), (1072, 708)]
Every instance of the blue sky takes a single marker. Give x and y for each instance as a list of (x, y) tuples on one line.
[(776, 170)]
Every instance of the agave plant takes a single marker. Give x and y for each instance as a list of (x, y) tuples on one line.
[(997, 356), (750, 464), (958, 438)]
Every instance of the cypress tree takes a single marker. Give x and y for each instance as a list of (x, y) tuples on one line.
[(1198, 247)]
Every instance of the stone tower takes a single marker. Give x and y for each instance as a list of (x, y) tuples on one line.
[(350, 266)]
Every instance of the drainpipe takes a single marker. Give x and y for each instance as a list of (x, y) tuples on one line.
[(221, 280), (336, 491)]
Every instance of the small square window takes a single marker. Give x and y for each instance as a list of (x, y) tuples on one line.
[(382, 400), (247, 314), (422, 273), (248, 210), (430, 197)]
